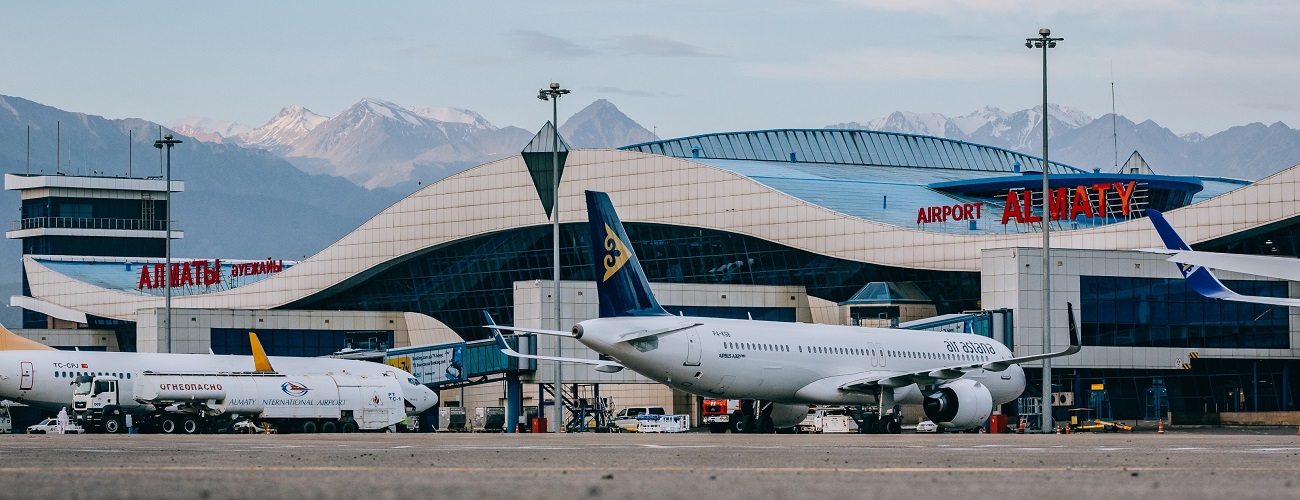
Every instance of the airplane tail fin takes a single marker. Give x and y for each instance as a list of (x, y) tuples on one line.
[(260, 362), (620, 282), (10, 341), (1197, 277)]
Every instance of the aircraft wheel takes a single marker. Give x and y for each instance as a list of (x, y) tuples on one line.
[(307, 427), (349, 427), (766, 426), (738, 424), (894, 427), (113, 425), (939, 429), (328, 427)]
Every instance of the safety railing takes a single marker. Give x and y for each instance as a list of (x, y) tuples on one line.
[(87, 223)]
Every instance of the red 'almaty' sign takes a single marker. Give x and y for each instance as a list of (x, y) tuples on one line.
[(202, 272), (1066, 203)]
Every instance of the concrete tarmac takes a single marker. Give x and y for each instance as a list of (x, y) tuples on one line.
[(1202, 463)]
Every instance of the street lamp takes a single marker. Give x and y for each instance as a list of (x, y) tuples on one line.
[(553, 94), (1045, 41), (168, 141)]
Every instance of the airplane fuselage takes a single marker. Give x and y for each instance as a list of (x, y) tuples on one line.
[(779, 362), (43, 379)]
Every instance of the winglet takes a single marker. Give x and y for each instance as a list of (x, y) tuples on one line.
[(260, 362), (1167, 233), (1197, 277), (496, 333)]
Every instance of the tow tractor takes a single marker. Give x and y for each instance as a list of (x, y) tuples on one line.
[(1080, 421)]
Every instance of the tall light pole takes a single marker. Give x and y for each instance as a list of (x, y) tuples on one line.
[(168, 141), (553, 94), (1045, 41)]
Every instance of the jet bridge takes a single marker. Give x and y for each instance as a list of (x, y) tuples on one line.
[(461, 364)]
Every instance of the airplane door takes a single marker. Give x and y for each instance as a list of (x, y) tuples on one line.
[(880, 354), (692, 348), (29, 373)]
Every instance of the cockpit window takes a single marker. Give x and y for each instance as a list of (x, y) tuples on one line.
[(412, 381)]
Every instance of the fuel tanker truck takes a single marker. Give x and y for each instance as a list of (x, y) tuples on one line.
[(185, 403), (206, 393)]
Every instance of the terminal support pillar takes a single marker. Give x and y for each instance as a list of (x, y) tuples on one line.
[(514, 403)]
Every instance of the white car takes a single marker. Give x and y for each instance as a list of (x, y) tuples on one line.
[(51, 426), (927, 426)]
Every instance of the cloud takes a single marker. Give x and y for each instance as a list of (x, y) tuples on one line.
[(646, 45), (542, 44)]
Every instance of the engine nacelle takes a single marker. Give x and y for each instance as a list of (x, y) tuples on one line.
[(784, 416), (961, 404)]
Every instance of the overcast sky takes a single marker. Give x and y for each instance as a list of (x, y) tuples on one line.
[(685, 68)]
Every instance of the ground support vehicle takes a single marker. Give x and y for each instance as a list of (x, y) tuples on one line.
[(832, 420), (663, 423), (6, 420), (715, 415), (190, 403), (56, 425), (629, 419)]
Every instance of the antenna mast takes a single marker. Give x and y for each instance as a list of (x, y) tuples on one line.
[(1114, 129)]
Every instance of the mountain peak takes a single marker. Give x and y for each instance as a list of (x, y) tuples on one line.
[(289, 125), (602, 125), (452, 115)]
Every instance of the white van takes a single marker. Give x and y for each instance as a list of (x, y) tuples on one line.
[(626, 419)]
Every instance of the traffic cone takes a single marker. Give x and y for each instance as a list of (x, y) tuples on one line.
[(1160, 427), (1067, 428), (1021, 430)]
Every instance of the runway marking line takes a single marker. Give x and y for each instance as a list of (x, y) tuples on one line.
[(458, 470)]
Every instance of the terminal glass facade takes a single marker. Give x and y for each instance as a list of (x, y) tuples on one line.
[(457, 282), (1122, 311), (294, 342)]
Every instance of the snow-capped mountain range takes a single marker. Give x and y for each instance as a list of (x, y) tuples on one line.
[(1245, 152), (376, 143)]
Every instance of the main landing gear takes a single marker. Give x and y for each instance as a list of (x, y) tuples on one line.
[(744, 420), (888, 418)]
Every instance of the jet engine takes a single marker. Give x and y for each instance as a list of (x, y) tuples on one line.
[(961, 404), (785, 416)]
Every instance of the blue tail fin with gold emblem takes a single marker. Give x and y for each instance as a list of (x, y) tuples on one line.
[(621, 283)]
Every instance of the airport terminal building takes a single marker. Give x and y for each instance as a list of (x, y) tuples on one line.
[(829, 226)]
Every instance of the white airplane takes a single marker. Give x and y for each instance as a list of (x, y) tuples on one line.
[(1195, 266), (959, 378), (40, 376)]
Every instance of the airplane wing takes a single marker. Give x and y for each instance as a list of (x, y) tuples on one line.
[(1286, 268), (600, 365), (1194, 267), (869, 381)]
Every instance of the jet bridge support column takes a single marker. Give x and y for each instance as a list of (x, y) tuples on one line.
[(514, 402)]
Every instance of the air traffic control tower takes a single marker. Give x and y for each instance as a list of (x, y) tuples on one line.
[(90, 216)]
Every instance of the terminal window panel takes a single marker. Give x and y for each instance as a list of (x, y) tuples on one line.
[(295, 342), (1118, 311), (457, 282)]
